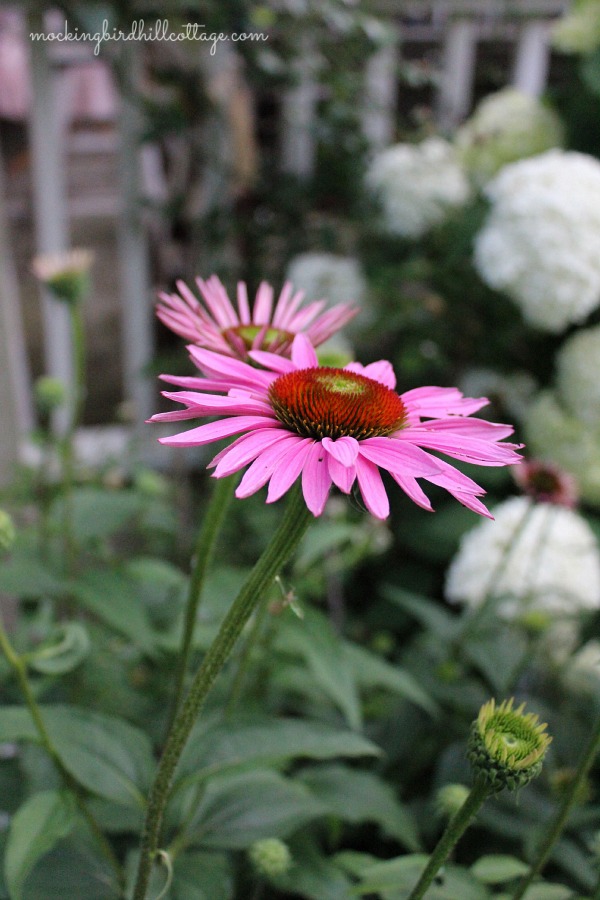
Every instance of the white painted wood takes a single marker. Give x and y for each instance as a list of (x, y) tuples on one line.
[(136, 294), (458, 72), (46, 134), (381, 91), (532, 57), (15, 396), (298, 139)]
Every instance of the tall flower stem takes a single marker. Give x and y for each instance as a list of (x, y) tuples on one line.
[(561, 816), (456, 827), (205, 544), (20, 669), (283, 543)]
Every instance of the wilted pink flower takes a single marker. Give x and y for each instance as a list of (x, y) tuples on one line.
[(547, 483), (217, 325), (334, 426)]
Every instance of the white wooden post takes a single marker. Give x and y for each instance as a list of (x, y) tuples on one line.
[(15, 396), (532, 58), (136, 298), (298, 142), (46, 134), (458, 70), (381, 88)]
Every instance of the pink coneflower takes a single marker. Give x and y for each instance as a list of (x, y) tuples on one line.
[(217, 325), (334, 426)]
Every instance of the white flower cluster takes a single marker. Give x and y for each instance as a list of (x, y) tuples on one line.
[(506, 126), (417, 185), (533, 558), (556, 435), (338, 279), (578, 369), (541, 241)]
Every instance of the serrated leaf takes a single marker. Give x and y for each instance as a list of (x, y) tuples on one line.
[(36, 827), (98, 513), (23, 574), (111, 597), (202, 875), (498, 868), (356, 796), (372, 671), (62, 651), (106, 755), (431, 615), (237, 810), (313, 638), (236, 744)]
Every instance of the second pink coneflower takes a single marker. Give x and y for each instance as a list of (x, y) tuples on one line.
[(215, 323)]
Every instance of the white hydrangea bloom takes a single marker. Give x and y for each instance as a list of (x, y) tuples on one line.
[(583, 672), (338, 279), (555, 435), (534, 558), (541, 241), (506, 126), (579, 30), (417, 185), (578, 381)]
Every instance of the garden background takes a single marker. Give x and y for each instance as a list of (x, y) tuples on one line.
[(436, 164)]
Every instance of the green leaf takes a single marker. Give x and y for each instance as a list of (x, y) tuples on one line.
[(313, 875), (431, 615), (233, 745), (36, 827), (498, 868), (74, 868), (202, 876), (63, 650), (314, 639), (237, 810), (24, 575), (356, 796), (543, 890), (106, 755), (372, 671), (395, 878), (98, 513), (112, 598), (498, 654)]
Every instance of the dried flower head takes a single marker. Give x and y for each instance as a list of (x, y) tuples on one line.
[(546, 482), (507, 746), (66, 275)]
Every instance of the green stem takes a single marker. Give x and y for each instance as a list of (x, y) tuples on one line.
[(18, 665), (457, 825), (283, 543), (559, 820), (205, 544)]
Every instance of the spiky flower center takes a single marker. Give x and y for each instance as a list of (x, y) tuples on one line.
[(244, 337), (334, 403), (507, 746)]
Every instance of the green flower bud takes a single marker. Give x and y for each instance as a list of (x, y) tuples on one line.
[(507, 746), (449, 799), (8, 533), (49, 394), (66, 275), (270, 857)]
